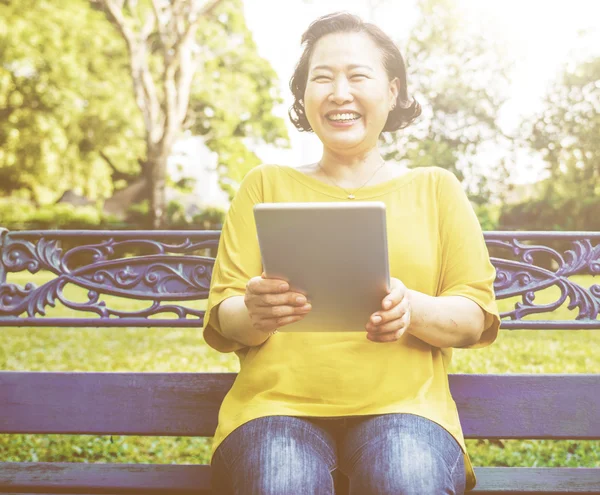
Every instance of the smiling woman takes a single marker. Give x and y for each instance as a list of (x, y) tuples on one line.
[(374, 406), (349, 86), (373, 57)]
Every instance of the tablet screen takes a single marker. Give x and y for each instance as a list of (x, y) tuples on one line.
[(335, 253)]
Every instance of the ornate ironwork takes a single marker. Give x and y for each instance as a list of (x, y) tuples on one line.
[(559, 255), (167, 268), (163, 268)]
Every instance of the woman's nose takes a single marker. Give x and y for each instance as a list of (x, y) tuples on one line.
[(341, 91)]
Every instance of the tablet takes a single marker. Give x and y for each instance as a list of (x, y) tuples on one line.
[(334, 253)]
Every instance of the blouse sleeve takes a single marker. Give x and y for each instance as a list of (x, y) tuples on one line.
[(466, 268), (238, 258)]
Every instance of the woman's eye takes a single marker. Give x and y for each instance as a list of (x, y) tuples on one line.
[(320, 78), (357, 76)]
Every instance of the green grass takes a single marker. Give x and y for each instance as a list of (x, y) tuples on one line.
[(184, 350)]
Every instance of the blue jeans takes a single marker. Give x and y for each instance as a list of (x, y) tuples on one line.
[(384, 454)]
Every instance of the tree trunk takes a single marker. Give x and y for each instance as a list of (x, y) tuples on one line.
[(157, 168), (164, 107)]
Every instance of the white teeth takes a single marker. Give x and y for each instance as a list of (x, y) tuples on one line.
[(344, 116)]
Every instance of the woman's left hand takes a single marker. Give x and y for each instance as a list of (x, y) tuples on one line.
[(389, 324)]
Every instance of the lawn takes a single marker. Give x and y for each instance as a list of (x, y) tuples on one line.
[(184, 350)]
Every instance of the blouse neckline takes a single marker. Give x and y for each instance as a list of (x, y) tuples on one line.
[(366, 192)]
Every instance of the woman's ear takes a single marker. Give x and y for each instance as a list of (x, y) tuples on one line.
[(394, 91)]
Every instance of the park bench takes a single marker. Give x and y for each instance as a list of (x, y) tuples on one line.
[(168, 268)]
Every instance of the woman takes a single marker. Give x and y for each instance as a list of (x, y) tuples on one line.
[(374, 406)]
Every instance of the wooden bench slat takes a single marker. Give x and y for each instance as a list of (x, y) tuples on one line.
[(184, 479), (70, 477), (550, 406), (160, 404), (187, 404), (549, 481)]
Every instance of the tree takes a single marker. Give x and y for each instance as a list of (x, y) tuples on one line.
[(61, 114), (565, 132), (68, 115), (168, 43), (461, 80), (234, 97)]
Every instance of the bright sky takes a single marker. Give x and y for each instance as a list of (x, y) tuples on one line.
[(539, 36)]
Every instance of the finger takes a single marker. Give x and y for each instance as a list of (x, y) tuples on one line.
[(392, 331), (395, 296), (282, 311), (387, 337), (258, 285), (270, 324), (288, 319), (393, 299), (287, 298), (383, 317), (391, 326)]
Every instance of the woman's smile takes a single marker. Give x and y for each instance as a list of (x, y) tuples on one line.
[(340, 119)]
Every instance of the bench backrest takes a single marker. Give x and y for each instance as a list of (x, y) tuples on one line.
[(171, 270)]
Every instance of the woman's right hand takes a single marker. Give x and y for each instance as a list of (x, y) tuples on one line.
[(272, 305)]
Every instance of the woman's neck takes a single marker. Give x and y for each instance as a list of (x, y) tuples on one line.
[(351, 171)]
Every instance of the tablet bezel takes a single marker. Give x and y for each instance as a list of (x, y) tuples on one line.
[(287, 233)]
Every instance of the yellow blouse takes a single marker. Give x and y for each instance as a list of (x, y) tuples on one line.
[(435, 246)]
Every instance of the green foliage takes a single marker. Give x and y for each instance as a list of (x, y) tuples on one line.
[(487, 215), (19, 216), (68, 116), (565, 133), (62, 101), (22, 215), (234, 96), (553, 212), (105, 449), (138, 214), (460, 78), (211, 218)]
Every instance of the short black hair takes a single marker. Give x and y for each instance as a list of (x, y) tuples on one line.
[(405, 111)]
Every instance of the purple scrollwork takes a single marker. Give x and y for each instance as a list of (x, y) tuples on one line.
[(19, 255), (105, 250), (30, 299), (518, 273), (160, 277), (159, 267), (166, 268)]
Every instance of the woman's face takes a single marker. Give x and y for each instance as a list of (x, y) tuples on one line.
[(348, 93)]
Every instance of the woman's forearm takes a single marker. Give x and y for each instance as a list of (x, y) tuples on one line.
[(236, 323), (450, 321)]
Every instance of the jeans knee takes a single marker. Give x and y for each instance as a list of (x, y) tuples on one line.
[(275, 456), (300, 482), (420, 471), (287, 467)]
